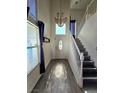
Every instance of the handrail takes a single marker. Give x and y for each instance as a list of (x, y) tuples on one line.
[(76, 60), (79, 52), (76, 45)]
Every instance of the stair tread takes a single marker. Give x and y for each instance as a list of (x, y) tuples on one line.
[(79, 44), (93, 68), (89, 72), (88, 61), (89, 78), (88, 64), (90, 68)]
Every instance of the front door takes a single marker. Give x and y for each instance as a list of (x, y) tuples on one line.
[(60, 36), (60, 42)]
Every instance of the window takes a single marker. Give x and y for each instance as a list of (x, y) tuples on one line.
[(73, 27), (32, 58), (60, 30), (32, 11), (32, 46), (60, 45)]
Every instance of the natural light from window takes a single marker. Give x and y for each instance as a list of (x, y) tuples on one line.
[(60, 30)]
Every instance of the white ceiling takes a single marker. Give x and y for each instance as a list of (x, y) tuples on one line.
[(79, 4)]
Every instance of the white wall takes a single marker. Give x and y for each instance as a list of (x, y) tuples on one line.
[(76, 14), (91, 9), (44, 15), (74, 59), (88, 37), (32, 78), (55, 6), (33, 67)]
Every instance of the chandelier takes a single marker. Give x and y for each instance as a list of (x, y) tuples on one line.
[(59, 19)]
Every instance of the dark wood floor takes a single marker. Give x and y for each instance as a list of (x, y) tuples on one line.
[(58, 78)]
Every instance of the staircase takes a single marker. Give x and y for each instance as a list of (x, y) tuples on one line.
[(89, 69)]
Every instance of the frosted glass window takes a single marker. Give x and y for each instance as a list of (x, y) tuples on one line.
[(60, 30), (60, 45), (32, 58), (31, 35)]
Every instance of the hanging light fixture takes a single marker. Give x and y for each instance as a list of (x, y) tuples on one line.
[(59, 19)]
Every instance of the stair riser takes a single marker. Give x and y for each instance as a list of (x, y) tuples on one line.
[(87, 58), (89, 73), (88, 65), (85, 54), (90, 83)]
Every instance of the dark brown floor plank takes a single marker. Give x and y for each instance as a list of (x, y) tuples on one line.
[(58, 78)]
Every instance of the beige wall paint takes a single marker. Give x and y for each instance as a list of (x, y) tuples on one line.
[(44, 15), (54, 9)]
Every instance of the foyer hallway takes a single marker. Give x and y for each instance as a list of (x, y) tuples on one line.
[(58, 78)]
